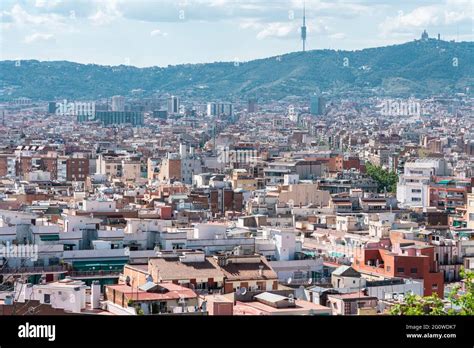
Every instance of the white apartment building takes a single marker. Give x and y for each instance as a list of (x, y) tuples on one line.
[(470, 210), (413, 185), (118, 103), (66, 294)]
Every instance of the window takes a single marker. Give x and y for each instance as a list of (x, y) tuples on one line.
[(47, 298), (416, 199), (388, 268), (414, 270), (415, 190), (434, 287), (400, 270)]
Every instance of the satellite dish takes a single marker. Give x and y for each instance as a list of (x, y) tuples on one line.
[(127, 280), (310, 281), (243, 291), (288, 281)]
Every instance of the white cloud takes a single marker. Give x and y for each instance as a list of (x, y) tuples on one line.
[(107, 12), (451, 12), (158, 32), (47, 3), (278, 30), (338, 36), (284, 30), (21, 17), (37, 37), (453, 17)]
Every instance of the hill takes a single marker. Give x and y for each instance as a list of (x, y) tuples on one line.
[(415, 68)]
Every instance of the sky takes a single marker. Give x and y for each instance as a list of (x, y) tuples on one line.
[(166, 32)]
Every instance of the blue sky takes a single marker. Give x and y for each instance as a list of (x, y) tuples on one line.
[(165, 32)]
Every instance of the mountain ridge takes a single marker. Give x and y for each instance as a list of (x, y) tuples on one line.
[(414, 68)]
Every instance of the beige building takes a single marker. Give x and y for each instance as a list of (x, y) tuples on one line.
[(304, 194), (242, 180), (131, 171), (109, 166), (153, 168), (170, 169)]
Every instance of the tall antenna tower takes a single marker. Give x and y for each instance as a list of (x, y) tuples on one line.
[(303, 27)]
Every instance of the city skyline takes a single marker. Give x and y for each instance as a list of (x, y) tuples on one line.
[(298, 161), (161, 35)]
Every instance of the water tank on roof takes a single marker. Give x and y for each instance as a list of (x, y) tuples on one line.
[(8, 300)]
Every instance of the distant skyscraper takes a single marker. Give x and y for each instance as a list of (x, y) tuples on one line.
[(225, 109), (163, 114), (118, 103), (173, 105), (318, 104), (211, 109), (303, 28), (252, 107), (52, 107), (314, 104)]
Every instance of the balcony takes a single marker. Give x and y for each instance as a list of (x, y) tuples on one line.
[(94, 274), (33, 270)]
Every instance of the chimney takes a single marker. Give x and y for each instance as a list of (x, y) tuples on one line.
[(95, 295), (183, 150)]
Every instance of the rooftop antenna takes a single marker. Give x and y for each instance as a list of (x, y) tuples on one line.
[(303, 28)]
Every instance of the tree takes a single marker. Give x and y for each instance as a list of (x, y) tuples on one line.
[(465, 300), (418, 305), (385, 179), (433, 305)]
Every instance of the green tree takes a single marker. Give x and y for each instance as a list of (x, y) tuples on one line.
[(433, 305), (385, 179), (465, 300)]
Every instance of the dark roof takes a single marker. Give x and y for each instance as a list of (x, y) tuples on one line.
[(346, 271)]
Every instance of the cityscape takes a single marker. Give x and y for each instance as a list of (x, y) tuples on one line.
[(301, 179)]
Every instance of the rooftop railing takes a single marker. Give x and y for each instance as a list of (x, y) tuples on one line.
[(39, 270)]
